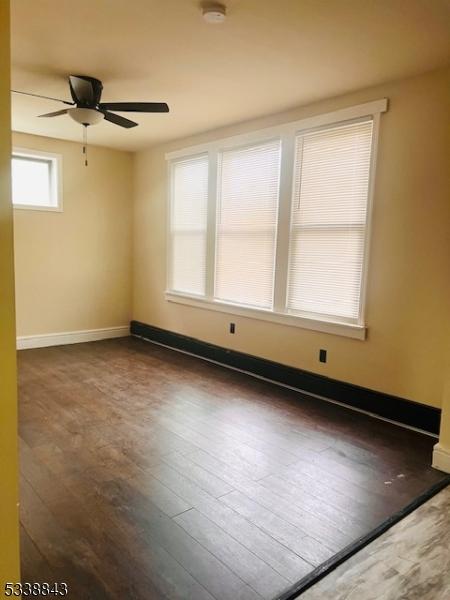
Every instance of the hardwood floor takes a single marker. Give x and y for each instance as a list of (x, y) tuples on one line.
[(409, 562), (149, 474)]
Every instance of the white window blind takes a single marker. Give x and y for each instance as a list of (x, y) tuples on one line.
[(329, 209), (248, 184), (188, 220)]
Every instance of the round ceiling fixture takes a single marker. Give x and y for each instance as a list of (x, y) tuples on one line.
[(214, 12), (86, 116)]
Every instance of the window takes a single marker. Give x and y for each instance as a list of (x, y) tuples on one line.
[(189, 193), (36, 180), (328, 222), (274, 224), (247, 208)]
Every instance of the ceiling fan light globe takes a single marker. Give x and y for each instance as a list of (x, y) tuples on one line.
[(86, 116)]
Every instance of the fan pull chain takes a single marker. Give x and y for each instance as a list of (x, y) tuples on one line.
[(85, 145)]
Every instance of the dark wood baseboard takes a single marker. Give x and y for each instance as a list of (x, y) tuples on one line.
[(405, 412)]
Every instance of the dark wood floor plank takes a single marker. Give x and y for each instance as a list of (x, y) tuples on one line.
[(286, 563), (197, 560), (238, 456), (158, 494), (316, 472), (35, 567), (314, 497), (278, 435), (142, 554), (111, 564), (322, 507), (204, 479), (268, 440), (310, 549), (410, 474), (255, 450), (333, 534), (65, 553), (241, 561), (352, 474), (115, 556)]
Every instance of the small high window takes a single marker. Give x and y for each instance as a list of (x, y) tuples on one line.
[(36, 180)]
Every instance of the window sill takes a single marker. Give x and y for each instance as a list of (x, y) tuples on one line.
[(37, 208), (357, 332)]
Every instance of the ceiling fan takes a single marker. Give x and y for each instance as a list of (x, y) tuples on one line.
[(86, 93)]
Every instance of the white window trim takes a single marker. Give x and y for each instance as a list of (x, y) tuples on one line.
[(369, 109), (286, 133), (56, 186)]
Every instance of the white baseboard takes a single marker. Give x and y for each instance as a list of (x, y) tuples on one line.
[(441, 458), (70, 337)]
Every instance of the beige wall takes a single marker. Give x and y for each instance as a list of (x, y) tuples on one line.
[(9, 526), (73, 268), (408, 287)]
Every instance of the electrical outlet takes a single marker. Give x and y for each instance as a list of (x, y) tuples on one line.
[(323, 355), (232, 327)]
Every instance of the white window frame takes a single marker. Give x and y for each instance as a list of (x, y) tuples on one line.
[(286, 133), (56, 187)]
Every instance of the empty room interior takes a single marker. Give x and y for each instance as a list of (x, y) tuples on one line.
[(225, 299)]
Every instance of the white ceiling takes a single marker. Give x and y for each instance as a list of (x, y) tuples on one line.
[(269, 55)]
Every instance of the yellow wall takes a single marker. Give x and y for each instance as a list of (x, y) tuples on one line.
[(73, 269), (408, 287), (441, 455), (444, 438), (9, 545)]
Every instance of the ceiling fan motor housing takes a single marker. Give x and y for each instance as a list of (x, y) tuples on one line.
[(85, 91)]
